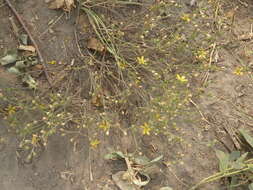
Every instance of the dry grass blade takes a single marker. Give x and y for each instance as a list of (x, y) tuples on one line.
[(220, 175), (108, 42)]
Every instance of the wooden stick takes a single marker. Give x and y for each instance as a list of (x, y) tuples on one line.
[(31, 38), (202, 115)]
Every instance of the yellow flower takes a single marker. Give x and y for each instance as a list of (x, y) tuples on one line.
[(35, 139), (11, 110), (141, 60), (182, 78), (158, 116), (186, 18), (178, 37), (94, 143), (239, 71), (104, 125), (52, 62), (201, 54), (146, 129), (121, 65)]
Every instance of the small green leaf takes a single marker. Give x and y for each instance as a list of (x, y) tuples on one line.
[(141, 160), (27, 79), (223, 158), (247, 137), (251, 186), (242, 158), (114, 155), (234, 181), (13, 70), (238, 165), (157, 159), (8, 59), (234, 155)]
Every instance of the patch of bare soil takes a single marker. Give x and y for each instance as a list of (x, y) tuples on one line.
[(226, 105)]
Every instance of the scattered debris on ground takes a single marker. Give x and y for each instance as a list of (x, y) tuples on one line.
[(166, 85)]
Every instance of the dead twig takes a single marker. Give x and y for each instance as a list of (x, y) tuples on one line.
[(77, 43), (209, 65), (90, 170), (216, 17), (245, 37), (14, 27), (202, 115), (177, 178), (233, 19), (75, 31), (233, 136), (31, 38)]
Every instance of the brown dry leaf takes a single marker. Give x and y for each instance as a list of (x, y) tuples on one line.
[(27, 48), (69, 4), (64, 4), (122, 183), (97, 100), (230, 14), (38, 67), (56, 4), (95, 44)]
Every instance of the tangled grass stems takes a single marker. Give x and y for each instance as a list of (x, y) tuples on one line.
[(110, 3), (102, 33), (108, 41)]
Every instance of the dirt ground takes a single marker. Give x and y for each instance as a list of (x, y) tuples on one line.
[(225, 104)]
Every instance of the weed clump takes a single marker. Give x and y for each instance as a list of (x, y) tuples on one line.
[(141, 74)]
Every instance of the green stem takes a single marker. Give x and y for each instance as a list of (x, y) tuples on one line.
[(220, 175)]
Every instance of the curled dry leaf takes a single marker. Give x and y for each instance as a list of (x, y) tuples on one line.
[(122, 183), (66, 5), (27, 48), (95, 45)]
